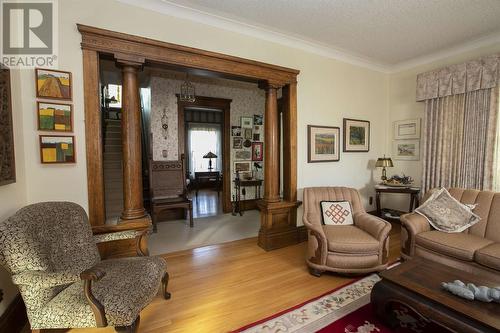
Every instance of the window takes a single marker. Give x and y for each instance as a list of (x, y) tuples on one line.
[(114, 95), (203, 138)]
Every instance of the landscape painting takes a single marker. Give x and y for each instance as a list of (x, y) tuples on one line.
[(55, 117), (356, 135), (242, 155), (53, 84), (408, 150), (57, 149), (323, 144)]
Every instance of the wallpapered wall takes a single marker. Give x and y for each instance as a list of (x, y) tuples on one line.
[(247, 100)]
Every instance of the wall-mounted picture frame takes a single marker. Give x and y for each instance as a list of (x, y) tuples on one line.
[(256, 128), (7, 155), (235, 130), (323, 144), (242, 155), (57, 149), (246, 122), (53, 84), (242, 167), (247, 134), (56, 117), (257, 151), (356, 135), (237, 142), (406, 150), (256, 137), (407, 129), (258, 119)]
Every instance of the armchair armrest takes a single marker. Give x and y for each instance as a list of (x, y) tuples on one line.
[(412, 224), (88, 276), (318, 246), (375, 226), (44, 279), (109, 233)]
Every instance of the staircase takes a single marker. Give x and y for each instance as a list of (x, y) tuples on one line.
[(113, 169)]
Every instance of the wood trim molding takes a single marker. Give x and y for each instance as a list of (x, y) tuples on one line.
[(14, 318), (111, 42)]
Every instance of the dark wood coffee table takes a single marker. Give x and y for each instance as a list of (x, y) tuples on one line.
[(417, 285)]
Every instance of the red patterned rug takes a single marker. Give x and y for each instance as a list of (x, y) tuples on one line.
[(346, 309)]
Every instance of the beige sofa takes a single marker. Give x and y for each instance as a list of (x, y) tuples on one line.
[(359, 248), (475, 249)]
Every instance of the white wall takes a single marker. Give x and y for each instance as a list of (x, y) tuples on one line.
[(402, 105)]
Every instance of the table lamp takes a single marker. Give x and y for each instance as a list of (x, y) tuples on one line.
[(210, 155), (384, 162)]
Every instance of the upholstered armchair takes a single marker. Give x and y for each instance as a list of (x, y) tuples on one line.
[(52, 255), (359, 248)]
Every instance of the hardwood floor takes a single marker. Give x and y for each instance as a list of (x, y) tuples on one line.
[(223, 287), (207, 203)]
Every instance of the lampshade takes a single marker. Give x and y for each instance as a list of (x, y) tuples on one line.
[(209, 155), (384, 162)]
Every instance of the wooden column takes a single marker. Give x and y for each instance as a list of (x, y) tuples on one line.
[(133, 206), (290, 144), (271, 146)]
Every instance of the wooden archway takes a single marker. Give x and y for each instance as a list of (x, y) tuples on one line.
[(278, 214)]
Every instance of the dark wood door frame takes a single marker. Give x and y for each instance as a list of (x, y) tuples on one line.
[(225, 106), (278, 214)]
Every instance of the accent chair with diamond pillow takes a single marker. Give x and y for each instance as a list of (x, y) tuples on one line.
[(342, 236)]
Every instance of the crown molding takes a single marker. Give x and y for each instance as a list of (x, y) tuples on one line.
[(298, 42)]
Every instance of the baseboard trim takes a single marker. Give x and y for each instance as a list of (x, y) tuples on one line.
[(14, 318)]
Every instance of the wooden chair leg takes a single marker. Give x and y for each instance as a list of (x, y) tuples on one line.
[(164, 285), (129, 329), (191, 223)]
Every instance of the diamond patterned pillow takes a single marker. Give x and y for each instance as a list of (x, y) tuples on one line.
[(336, 212)]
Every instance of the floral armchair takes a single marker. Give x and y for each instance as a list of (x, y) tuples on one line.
[(52, 255)]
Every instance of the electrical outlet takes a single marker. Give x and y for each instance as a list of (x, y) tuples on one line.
[(164, 153), (370, 201)]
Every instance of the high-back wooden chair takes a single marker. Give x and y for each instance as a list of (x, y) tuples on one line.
[(168, 190)]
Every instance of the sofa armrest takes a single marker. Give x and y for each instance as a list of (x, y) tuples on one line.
[(44, 279), (317, 242), (412, 224), (375, 226)]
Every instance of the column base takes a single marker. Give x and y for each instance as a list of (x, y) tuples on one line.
[(133, 214), (278, 224)]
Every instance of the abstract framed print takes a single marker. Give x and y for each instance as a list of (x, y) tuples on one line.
[(57, 149), (323, 144), (53, 84), (55, 117), (356, 135)]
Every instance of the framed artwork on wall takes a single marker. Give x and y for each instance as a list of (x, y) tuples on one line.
[(258, 119), (236, 130), (7, 158), (53, 84), (256, 137), (237, 142), (356, 135), (246, 122), (407, 129), (243, 155), (248, 134), (323, 144), (407, 150), (242, 167), (257, 151), (55, 117), (57, 149)]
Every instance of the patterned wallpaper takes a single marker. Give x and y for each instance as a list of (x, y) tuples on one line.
[(247, 100)]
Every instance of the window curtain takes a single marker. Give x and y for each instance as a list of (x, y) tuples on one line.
[(202, 138)]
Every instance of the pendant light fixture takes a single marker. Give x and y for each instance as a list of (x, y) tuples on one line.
[(187, 91)]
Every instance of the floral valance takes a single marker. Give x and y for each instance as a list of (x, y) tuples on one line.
[(472, 75)]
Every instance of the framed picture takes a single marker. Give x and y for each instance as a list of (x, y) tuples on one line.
[(246, 122), (242, 167), (247, 143), (407, 129), (7, 158), (257, 151), (258, 119), (243, 155), (248, 133), (256, 137), (356, 135), (55, 117), (236, 130), (256, 128), (237, 142), (57, 149), (53, 84), (408, 150), (323, 144)]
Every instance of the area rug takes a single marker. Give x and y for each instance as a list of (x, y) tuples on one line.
[(346, 309)]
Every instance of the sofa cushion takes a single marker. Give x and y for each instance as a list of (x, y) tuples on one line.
[(489, 256), (350, 239), (458, 245)]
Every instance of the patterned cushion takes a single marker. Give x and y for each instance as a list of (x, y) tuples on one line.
[(336, 212), (446, 213)]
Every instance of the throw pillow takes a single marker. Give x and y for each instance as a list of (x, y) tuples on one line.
[(446, 213), (336, 212)]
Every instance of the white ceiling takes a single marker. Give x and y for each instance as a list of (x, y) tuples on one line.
[(386, 34)]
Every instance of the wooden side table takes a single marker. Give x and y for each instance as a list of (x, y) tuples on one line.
[(412, 191), (238, 184)]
